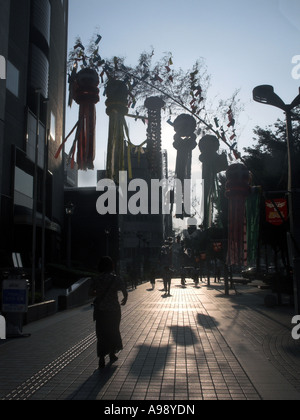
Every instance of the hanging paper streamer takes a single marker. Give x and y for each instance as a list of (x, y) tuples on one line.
[(116, 109), (253, 210), (212, 164), (237, 191), (184, 143), (84, 90), (154, 106)]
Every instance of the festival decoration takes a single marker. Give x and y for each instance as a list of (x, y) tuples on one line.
[(179, 90), (276, 211), (237, 191), (84, 90), (184, 143), (154, 105), (253, 220), (212, 164), (116, 109)]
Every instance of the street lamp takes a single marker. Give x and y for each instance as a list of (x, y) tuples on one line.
[(69, 208), (265, 94)]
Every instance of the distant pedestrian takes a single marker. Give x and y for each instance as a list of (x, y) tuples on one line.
[(107, 310), (182, 276), (167, 276), (152, 278), (134, 278)]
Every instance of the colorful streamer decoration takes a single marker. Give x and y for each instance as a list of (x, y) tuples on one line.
[(212, 164), (84, 90), (116, 109), (237, 190), (154, 105)]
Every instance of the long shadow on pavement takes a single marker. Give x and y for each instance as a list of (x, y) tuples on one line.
[(91, 388)]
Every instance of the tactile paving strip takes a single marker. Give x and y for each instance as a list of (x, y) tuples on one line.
[(33, 384)]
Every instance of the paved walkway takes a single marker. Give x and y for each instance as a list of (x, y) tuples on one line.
[(196, 344)]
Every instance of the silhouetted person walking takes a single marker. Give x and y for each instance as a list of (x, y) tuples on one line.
[(167, 280), (107, 310), (152, 278)]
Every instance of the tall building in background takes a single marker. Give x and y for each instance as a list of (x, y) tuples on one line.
[(33, 40)]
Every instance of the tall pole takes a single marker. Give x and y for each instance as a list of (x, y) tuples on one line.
[(35, 191), (294, 210), (45, 170), (69, 249)]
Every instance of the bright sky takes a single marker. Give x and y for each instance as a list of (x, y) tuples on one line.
[(244, 43)]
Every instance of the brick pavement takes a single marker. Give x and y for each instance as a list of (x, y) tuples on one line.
[(196, 344)]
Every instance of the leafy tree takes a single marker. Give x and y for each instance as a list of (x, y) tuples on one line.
[(268, 158), (268, 162)]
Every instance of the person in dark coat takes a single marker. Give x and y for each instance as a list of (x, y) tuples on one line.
[(107, 310), (167, 276)]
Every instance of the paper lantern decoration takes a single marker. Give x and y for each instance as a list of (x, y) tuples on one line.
[(184, 143), (84, 90), (237, 191)]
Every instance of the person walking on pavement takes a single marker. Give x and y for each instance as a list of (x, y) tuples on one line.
[(107, 310), (167, 280), (152, 278)]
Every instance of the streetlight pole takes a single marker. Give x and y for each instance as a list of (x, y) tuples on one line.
[(265, 94), (35, 198), (69, 213)]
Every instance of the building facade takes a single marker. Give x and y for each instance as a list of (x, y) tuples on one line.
[(33, 41)]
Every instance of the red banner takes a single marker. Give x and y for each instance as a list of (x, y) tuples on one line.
[(272, 214)]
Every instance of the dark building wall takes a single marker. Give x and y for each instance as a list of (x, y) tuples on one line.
[(57, 92), (15, 105), (34, 42), (92, 235), (4, 25)]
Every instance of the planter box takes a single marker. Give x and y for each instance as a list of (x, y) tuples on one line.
[(40, 311)]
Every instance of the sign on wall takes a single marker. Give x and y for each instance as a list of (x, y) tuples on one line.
[(14, 296), (273, 215)]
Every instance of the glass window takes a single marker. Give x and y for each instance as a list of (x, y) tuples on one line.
[(12, 79), (31, 140), (23, 188)]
